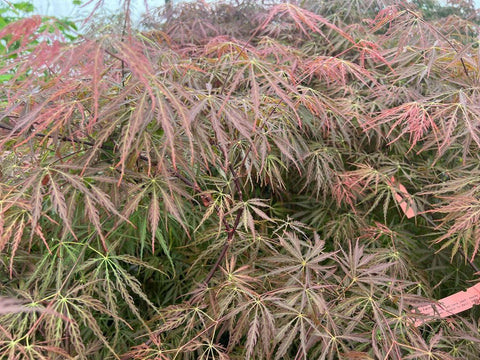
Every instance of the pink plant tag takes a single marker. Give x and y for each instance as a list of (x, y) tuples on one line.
[(403, 198), (453, 304)]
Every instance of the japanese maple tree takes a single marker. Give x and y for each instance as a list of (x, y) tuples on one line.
[(241, 180)]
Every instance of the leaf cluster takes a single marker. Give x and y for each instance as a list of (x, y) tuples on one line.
[(241, 180)]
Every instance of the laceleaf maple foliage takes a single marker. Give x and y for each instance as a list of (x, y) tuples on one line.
[(269, 181)]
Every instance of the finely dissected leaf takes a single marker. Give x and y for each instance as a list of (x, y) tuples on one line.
[(11, 305), (413, 119), (252, 337), (154, 216), (463, 210), (92, 213), (15, 243), (21, 30), (36, 203), (286, 336), (60, 205), (303, 18), (138, 193), (135, 261), (333, 70), (140, 117), (161, 239), (97, 68)]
